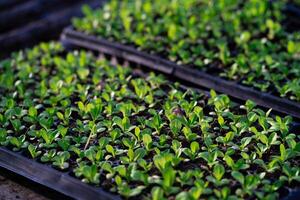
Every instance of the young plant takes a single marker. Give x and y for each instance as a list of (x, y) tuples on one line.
[(193, 151), (18, 142), (33, 150), (61, 160)]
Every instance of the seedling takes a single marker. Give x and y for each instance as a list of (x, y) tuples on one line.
[(33, 150), (61, 160)]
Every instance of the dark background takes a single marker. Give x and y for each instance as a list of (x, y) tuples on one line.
[(24, 23)]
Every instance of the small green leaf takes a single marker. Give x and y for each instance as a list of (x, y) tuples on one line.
[(238, 176), (32, 112), (218, 171), (263, 139), (195, 147), (147, 140)]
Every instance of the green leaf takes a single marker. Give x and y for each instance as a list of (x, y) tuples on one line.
[(3, 135), (110, 149), (291, 47), (218, 171), (169, 175), (175, 126), (32, 150), (81, 106), (147, 140), (263, 139), (172, 31), (83, 73), (32, 112), (221, 120), (238, 176), (283, 153), (213, 94), (229, 161), (137, 132), (60, 116), (195, 147), (157, 193)]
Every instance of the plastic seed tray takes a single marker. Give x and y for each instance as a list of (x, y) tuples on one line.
[(49, 177), (64, 182), (74, 38)]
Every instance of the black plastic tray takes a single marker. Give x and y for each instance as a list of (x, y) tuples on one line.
[(67, 185), (6, 4), (201, 79), (30, 10), (51, 178)]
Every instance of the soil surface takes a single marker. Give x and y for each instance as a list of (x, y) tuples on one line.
[(12, 190)]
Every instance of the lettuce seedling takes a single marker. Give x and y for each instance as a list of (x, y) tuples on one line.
[(3, 135), (115, 134), (238, 165), (140, 87), (110, 149), (193, 151), (65, 117), (17, 125), (18, 142), (96, 110), (175, 126), (61, 160), (49, 136), (32, 115), (157, 193), (189, 135), (125, 108), (218, 173), (125, 190), (155, 122), (249, 183), (177, 148), (227, 138), (168, 180), (62, 130), (292, 173), (64, 144), (147, 140), (94, 130), (163, 160), (123, 124), (46, 122), (49, 155), (33, 150), (133, 156), (209, 157), (90, 174)]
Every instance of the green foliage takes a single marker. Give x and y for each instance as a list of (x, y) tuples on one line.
[(174, 144), (237, 40)]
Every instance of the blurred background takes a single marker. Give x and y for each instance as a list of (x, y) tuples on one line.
[(24, 23)]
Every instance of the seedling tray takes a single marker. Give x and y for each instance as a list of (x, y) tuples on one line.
[(201, 79), (63, 182), (49, 177), (5, 4)]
